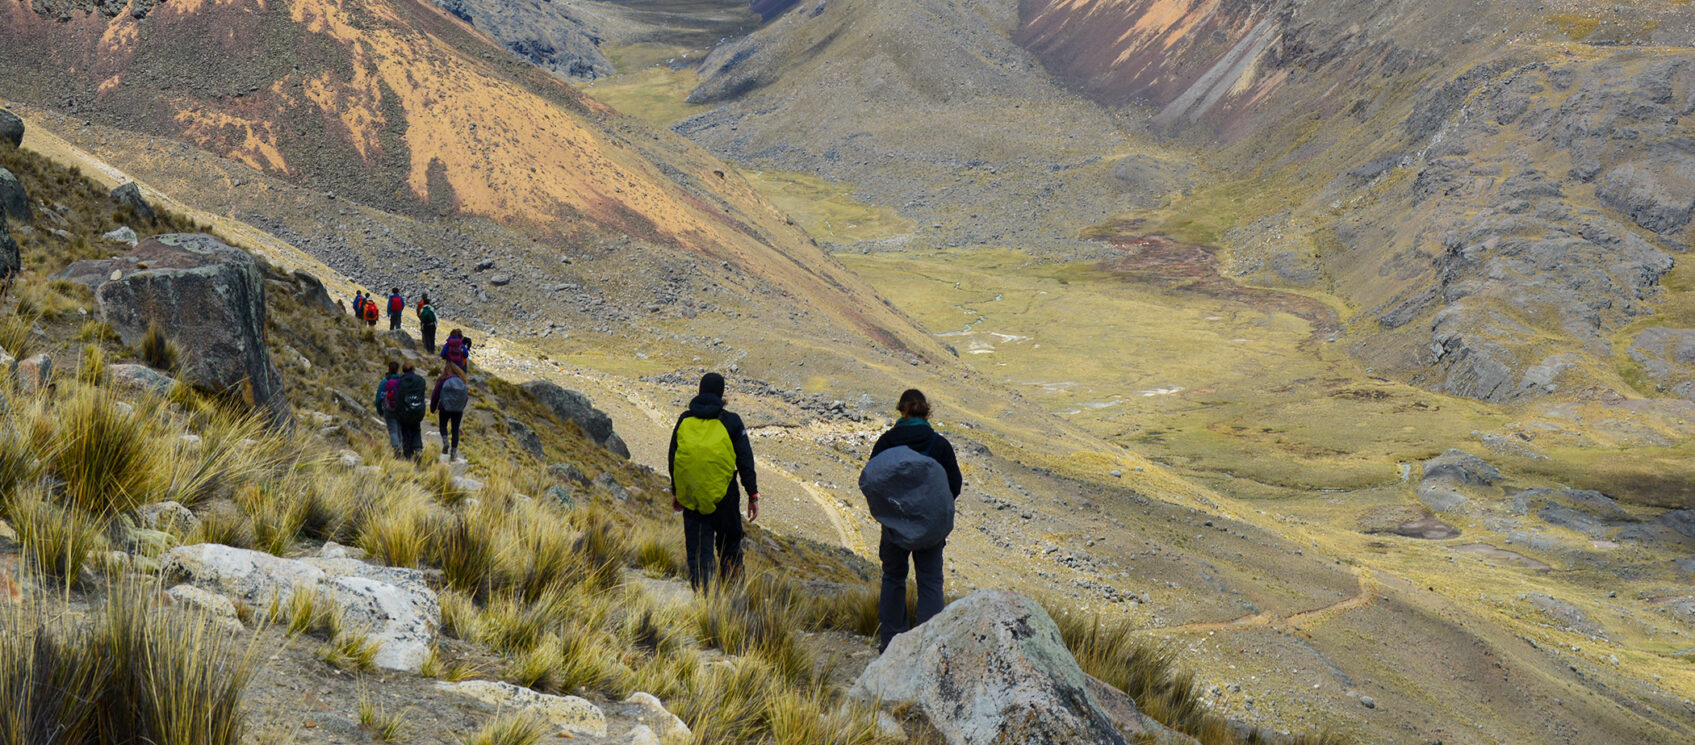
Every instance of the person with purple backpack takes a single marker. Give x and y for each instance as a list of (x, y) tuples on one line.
[(457, 350), (385, 390)]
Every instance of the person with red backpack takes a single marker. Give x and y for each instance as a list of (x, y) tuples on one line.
[(457, 349), (396, 306), (450, 398), (369, 312), (709, 450)]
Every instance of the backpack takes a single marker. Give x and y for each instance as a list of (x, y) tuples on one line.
[(454, 351), (454, 395), (370, 311), (385, 390), (427, 317), (358, 306), (704, 465), (907, 492), (412, 398), (396, 304)]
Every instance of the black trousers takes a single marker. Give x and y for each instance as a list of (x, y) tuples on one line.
[(718, 533), (411, 438), (891, 605), (450, 419), (393, 321), (429, 334)]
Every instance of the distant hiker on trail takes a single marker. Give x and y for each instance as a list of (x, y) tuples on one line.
[(911, 484), (410, 401), (368, 311), (359, 302), (457, 349), (427, 322), (423, 300), (450, 398), (385, 393), (396, 306), (709, 449)]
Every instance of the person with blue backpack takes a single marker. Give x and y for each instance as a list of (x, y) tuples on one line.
[(385, 391), (709, 452), (450, 399), (910, 485)]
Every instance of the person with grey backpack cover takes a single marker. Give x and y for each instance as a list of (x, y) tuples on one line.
[(449, 400), (910, 486)]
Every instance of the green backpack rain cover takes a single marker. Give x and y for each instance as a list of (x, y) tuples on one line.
[(704, 464)]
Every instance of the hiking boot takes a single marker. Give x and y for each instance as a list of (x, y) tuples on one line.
[(453, 455)]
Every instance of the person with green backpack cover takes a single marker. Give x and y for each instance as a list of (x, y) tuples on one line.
[(709, 452)]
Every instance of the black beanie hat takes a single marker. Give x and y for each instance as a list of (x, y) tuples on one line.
[(712, 383)]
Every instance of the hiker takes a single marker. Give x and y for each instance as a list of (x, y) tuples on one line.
[(409, 401), (457, 349), (359, 304), (384, 391), (427, 322), (911, 484), (449, 399), (396, 306), (369, 311), (709, 450)]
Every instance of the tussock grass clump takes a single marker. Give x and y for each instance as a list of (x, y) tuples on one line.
[(134, 671), (91, 370), (56, 539), (401, 527), (386, 726), (158, 351), (111, 458), (351, 651), (512, 728), (17, 333)]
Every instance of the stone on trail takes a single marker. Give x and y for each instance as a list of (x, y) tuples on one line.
[(568, 714), (991, 668), (391, 605)]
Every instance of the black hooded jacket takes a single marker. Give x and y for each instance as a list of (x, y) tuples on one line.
[(918, 437), (708, 406)]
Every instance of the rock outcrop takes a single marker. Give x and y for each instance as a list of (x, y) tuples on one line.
[(11, 129), (209, 297), (11, 258), (571, 406), (1450, 476), (129, 195), (569, 714), (991, 668), (390, 605), (14, 200)]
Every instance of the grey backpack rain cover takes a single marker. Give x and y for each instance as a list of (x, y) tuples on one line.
[(908, 493)]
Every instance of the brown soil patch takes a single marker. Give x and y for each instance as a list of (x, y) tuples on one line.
[(1160, 261)]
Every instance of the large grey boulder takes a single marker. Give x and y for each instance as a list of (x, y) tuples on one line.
[(11, 129), (1667, 357), (1461, 467), (571, 406), (11, 259), (14, 200), (392, 606), (210, 299), (991, 668), (1657, 193)]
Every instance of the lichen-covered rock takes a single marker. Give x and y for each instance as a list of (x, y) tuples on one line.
[(571, 406), (566, 713), (209, 297), (392, 606), (207, 602), (991, 668), (167, 516), (662, 725)]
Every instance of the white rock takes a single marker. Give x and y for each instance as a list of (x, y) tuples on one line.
[(390, 605), (641, 735), (666, 727), (122, 234), (333, 550), (350, 459), (568, 713), (212, 604), (167, 516), (467, 484), (990, 668)]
